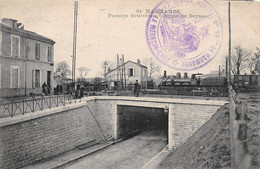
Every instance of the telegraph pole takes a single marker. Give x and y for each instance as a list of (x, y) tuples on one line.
[(74, 44), (231, 113), (229, 46), (124, 70)]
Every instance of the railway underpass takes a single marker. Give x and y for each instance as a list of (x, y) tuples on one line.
[(146, 126)]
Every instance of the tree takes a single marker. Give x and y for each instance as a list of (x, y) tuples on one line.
[(62, 71), (153, 68), (83, 71), (253, 61), (240, 59)]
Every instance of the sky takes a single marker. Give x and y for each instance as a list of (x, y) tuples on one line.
[(100, 37)]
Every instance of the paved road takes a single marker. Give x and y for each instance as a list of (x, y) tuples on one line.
[(129, 154)]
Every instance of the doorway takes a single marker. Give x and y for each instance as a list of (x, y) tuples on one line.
[(49, 81)]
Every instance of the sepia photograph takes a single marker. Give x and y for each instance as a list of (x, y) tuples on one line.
[(129, 84)]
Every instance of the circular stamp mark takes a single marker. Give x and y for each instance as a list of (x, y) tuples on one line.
[(184, 34)]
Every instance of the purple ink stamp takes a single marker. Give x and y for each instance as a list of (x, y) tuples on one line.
[(184, 34)]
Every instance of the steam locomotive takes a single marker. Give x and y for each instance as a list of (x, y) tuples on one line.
[(197, 84), (209, 85)]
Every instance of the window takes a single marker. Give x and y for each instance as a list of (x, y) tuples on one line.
[(49, 59), (131, 72), (27, 48), (145, 73), (37, 51), (14, 77), (15, 47), (37, 78)]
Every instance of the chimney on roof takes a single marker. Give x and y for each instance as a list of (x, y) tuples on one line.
[(20, 26), (178, 74), (138, 61), (10, 22), (185, 75)]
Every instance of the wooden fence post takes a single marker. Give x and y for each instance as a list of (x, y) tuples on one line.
[(240, 159), (232, 107)]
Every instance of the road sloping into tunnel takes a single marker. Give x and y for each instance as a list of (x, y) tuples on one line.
[(144, 131), (132, 153)]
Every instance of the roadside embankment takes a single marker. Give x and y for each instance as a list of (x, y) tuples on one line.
[(209, 147)]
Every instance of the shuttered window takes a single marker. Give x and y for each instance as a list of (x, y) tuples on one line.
[(27, 49), (14, 77), (49, 58), (37, 51), (33, 79), (15, 51), (37, 78)]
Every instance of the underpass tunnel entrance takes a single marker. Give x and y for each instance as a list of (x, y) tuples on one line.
[(133, 120)]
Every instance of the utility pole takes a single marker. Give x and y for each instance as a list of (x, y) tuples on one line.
[(231, 102), (226, 67), (124, 70), (74, 44), (229, 46), (219, 71), (121, 72), (117, 72)]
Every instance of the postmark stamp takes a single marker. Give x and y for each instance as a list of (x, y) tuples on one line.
[(184, 34)]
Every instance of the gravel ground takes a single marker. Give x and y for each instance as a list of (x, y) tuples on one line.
[(129, 154)]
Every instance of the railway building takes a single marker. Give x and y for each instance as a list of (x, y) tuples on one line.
[(127, 74)]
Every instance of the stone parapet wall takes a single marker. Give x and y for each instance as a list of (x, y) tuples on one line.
[(187, 119), (27, 141)]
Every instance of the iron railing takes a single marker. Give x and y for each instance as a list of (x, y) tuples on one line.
[(31, 105)]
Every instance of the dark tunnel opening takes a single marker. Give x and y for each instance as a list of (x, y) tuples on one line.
[(133, 120)]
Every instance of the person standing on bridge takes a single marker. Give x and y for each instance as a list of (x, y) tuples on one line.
[(44, 89), (136, 88)]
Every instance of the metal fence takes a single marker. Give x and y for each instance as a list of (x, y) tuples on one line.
[(30, 105)]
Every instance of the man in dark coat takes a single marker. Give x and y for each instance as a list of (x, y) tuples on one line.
[(136, 88), (44, 88)]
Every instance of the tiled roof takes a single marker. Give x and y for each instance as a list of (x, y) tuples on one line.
[(25, 33), (125, 64)]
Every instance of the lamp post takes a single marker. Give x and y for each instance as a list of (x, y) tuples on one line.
[(105, 73), (105, 69)]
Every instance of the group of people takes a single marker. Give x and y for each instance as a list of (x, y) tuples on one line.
[(80, 87), (79, 91), (45, 88)]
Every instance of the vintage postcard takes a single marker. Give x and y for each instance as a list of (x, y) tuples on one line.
[(129, 84)]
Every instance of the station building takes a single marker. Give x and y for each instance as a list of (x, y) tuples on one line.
[(128, 73)]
